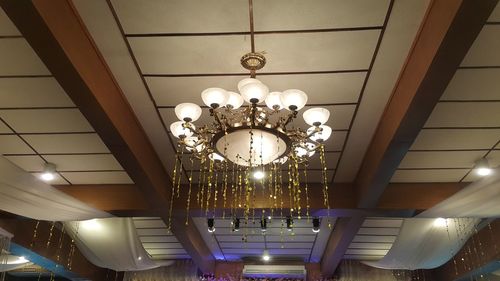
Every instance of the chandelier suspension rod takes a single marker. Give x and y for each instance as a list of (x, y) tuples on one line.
[(252, 41)]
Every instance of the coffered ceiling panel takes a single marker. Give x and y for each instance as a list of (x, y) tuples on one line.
[(429, 175), (18, 58), (4, 129), (191, 54), (181, 16), (321, 88), (322, 14), (441, 159), (318, 51), (32, 92), (7, 28), (67, 143), (12, 144), (32, 163), (98, 177), (46, 120), (451, 139), (474, 84), (484, 51), (465, 114), (90, 162)]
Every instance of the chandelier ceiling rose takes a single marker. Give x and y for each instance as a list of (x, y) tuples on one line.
[(253, 61)]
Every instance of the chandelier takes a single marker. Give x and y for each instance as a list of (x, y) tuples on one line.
[(248, 143)]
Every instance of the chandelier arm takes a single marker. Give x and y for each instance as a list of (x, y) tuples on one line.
[(213, 113), (317, 129)]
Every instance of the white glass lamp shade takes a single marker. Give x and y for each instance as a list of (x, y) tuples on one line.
[(234, 101), (188, 112), (255, 92), (273, 101), (323, 135), (216, 157), (178, 130), (214, 97), (293, 99), (247, 81), (316, 116), (302, 151)]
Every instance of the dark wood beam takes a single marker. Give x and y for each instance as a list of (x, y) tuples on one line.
[(479, 256), (127, 200), (55, 31), (446, 34), (55, 255)]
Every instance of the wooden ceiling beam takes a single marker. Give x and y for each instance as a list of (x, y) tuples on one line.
[(446, 34), (55, 31), (127, 200)]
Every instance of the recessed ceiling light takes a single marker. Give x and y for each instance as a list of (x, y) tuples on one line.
[(49, 172), (316, 225), (211, 225), (265, 255), (483, 167)]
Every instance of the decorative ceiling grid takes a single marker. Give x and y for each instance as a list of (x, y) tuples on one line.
[(157, 241), (177, 61), (374, 239), (300, 243), (465, 124), (39, 123)]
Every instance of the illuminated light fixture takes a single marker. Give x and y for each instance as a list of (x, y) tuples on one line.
[(289, 223), (22, 259), (265, 255), (188, 112), (258, 175), (316, 116), (139, 258), (215, 97), (180, 131), (211, 225), (316, 225), (236, 224), (234, 100), (483, 167), (49, 172), (293, 99), (440, 222), (91, 225), (273, 101), (321, 136), (263, 225), (269, 217)]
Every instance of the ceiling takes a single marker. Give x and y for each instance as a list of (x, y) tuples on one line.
[(465, 124), (39, 123), (299, 244)]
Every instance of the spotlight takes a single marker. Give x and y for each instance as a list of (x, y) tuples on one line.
[(265, 255), (440, 222), (263, 225), (258, 175), (289, 223), (49, 170), (483, 167), (139, 258), (316, 225), (236, 224), (211, 225)]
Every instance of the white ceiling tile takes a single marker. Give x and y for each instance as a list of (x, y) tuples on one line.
[(12, 144), (318, 51), (242, 245), (294, 238), (67, 143), (456, 139), (18, 58), (473, 84), (162, 245), (46, 120), (32, 92), (465, 114), (149, 223), (440, 175), (367, 252), (166, 251), (4, 129), (378, 231), (471, 177), (98, 177), (182, 16), (297, 14), (58, 180), (495, 15), (330, 158), (494, 158), (440, 159), (362, 258), (190, 54), (301, 245), (238, 238), (92, 162), (243, 251), (484, 51), (158, 239), (381, 246), (290, 252), (382, 223), (30, 163), (374, 239), (7, 28), (336, 141)]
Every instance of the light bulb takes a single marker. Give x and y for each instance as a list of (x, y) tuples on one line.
[(316, 225), (188, 112), (484, 171), (258, 175), (214, 97), (49, 172), (265, 255), (178, 130), (234, 100), (254, 92), (293, 99), (47, 176), (273, 101), (320, 136), (483, 167), (316, 116)]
